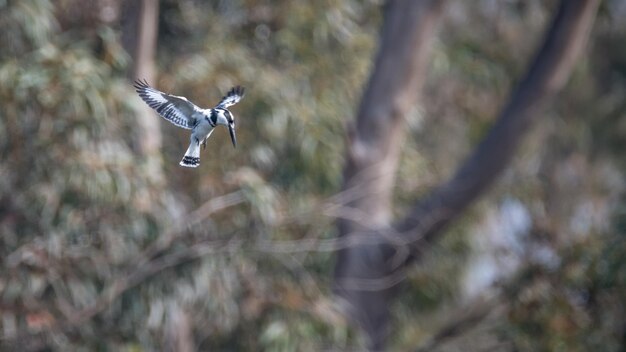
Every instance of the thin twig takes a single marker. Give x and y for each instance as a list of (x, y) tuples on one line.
[(471, 315)]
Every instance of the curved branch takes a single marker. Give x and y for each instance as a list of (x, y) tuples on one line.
[(547, 74)]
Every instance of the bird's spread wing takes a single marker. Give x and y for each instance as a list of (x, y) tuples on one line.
[(175, 109), (233, 96)]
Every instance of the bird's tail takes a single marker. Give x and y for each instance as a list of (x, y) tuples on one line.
[(192, 155)]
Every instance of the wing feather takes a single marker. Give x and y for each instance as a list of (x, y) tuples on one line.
[(233, 96), (175, 109)]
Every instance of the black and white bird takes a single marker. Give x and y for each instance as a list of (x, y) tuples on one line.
[(183, 113)]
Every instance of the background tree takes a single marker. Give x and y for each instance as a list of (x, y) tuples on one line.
[(140, 32), (373, 151)]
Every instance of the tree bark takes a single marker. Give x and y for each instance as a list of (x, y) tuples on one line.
[(179, 330), (140, 39), (365, 275)]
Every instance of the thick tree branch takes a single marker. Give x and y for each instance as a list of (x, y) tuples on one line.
[(547, 74)]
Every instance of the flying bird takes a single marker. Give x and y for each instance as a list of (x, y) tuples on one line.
[(183, 113)]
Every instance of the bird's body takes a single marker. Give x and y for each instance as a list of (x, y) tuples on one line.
[(183, 113), (201, 132)]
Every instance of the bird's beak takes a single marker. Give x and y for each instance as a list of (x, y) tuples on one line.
[(231, 129)]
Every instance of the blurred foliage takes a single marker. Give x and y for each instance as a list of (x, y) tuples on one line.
[(77, 204), (80, 208), (579, 307)]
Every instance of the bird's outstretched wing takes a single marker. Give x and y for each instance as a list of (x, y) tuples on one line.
[(175, 109), (233, 96)]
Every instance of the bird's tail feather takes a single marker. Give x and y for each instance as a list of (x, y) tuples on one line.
[(192, 155)]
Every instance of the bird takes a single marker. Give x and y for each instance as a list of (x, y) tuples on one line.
[(183, 113)]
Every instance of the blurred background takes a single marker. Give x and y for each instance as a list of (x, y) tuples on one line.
[(107, 244)]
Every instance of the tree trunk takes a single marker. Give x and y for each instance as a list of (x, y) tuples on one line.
[(374, 149), (365, 275), (139, 39)]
